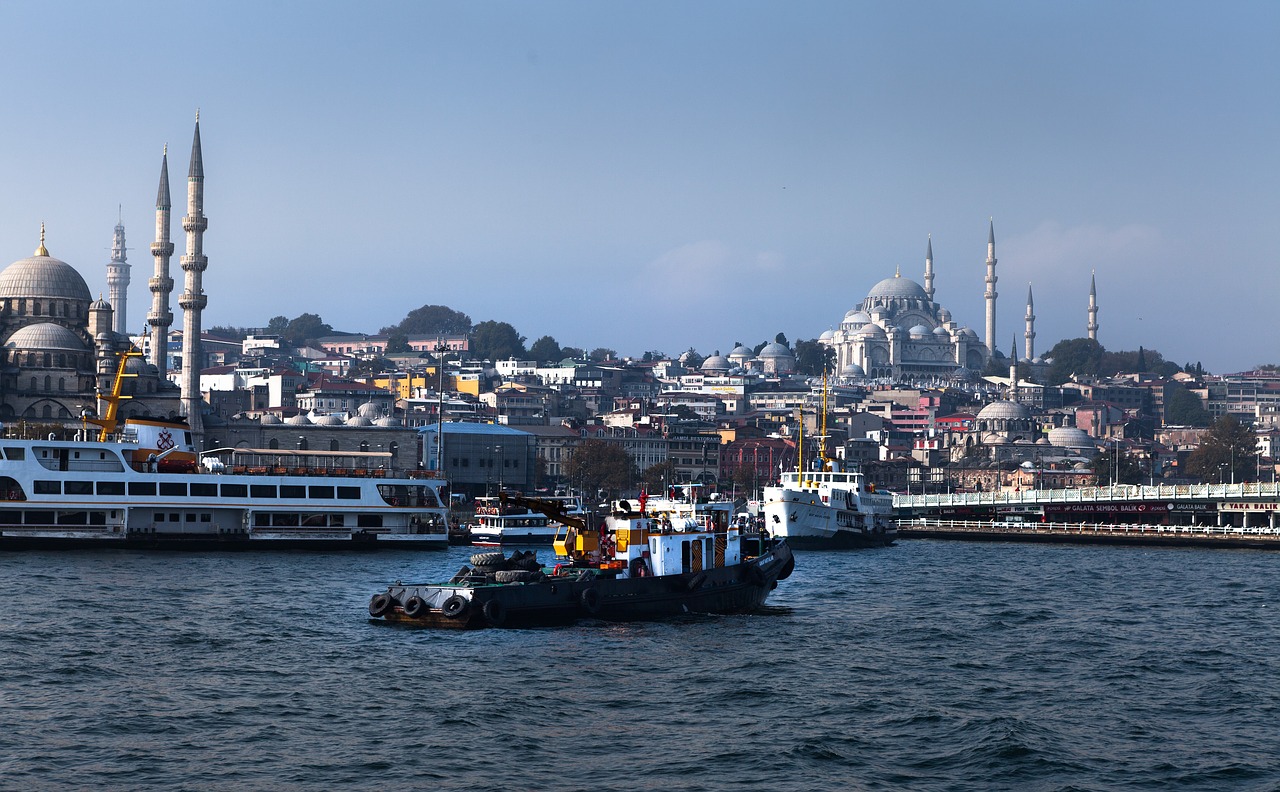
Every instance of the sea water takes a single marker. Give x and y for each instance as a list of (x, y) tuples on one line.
[(927, 665)]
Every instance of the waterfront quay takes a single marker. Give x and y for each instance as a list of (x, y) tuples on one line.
[(1217, 515)]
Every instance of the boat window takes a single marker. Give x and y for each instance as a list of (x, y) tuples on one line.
[(349, 493), (262, 490), (175, 517), (38, 517), (368, 520), (142, 488), (235, 490), (73, 518), (191, 517), (15, 453), (110, 487), (261, 520), (204, 490), (173, 489), (97, 518), (284, 520), (206, 517), (10, 518), (159, 517), (293, 491), (336, 520), (78, 487), (321, 492), (47, 487)]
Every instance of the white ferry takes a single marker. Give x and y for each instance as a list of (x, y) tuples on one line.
[(828, 509), (148, 487), (503, 521)]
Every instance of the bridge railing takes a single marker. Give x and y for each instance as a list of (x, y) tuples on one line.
[(1111, 528), (1115, 492)]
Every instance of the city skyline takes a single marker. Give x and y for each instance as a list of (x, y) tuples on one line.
[(669, 175)]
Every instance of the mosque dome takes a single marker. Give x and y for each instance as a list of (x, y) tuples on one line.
[(854, 370), (940, 331), (968, 332), (299, 420), (368, 410), (100, 305), (331, 419), (1004, 411), (827, 335), (359, 420), (775, 350), (919, 331), (45, 336), (1070, 437), (857, 317), (387, 421), (898, 287), (270, 418), (43, 276), (873, 330), (741, 351), (716, 362)]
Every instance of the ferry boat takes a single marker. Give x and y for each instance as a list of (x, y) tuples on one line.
[(499, 521), (637, 565), (147, 486), (827, 508)]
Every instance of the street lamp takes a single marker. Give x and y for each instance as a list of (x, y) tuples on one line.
[(441, 348), (1222, 472)]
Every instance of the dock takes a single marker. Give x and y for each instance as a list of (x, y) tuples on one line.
[(1217, 536)]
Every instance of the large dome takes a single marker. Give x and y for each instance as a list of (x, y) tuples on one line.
[(898, 287), (1004, 410), (775, 350), (43, 277), (45, 336), (1071, 437)]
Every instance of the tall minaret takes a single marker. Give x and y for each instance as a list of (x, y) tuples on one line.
[(1093, 307), (1030, 334), (991, 288), (1013, 371), (193, 299), (928, 270), (118, 280), (160, 284)]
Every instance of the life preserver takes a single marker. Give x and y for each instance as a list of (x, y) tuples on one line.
[(380, 604), (495, 613), (455, 606), (414, 606), (590, 600)]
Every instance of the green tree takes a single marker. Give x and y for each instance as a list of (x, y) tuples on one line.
[(277, 325), (655, 478), (227, 331), (1228, 451), (781, 339), (1082, 356), (694, 360), (546, 349), (596, 465), (398, 342), (497, 341), (305, 328), (572, 352), (652, 355), (813, 358), (1182, 407), (601, 354), (432, 320), (746, 480), (1109, 462)]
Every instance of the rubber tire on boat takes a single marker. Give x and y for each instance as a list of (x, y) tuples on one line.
[(590, 600), (414, 607), (511, 576), (488, 559), (454, 607), (756, 574), (380, 604), (495, 613), (696, 581), (787, 568), (485, 569)]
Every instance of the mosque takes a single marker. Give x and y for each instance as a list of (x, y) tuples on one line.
[(899, 332), (61, 348)]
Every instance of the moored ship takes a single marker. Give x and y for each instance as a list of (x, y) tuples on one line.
[(499, 521), (637, 565), (828, 509)]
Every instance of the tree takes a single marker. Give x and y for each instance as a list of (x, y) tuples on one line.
[(652, 355), (1109, 462), (745, 478), (572, 352), (601, 354), (813, 358), (398, 342), (227, 331), (546, 350), (432, 320), (600, 465), (497, 341), (693, 359), (1182, 407), (781, 339), (1081, 356), (307, 327), (656, 477), (1228, 451), (277, 324)]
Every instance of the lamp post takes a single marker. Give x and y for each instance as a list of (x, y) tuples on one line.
[(441, 348)]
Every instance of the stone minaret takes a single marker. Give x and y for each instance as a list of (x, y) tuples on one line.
[(1013, 371), (928, 269), (1093, 307), (991, 288), (160, 284), (193, 298), (118, 281), (1030, 334)]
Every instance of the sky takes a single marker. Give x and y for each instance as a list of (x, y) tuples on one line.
[(667, 175)]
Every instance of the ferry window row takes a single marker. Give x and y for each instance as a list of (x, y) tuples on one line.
[(179, 489), (47, 517)]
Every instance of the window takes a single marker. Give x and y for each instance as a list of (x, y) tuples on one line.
[(173, 489), (292, 491), (204, 490), (15, 453), (262, 490), (368, 520), (235, 491), (322, 492), (273, 443), (110, 487), (47, 487), (142, 488), (349, 493), (79, 488)]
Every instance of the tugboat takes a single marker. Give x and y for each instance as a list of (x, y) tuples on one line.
[(637, 565)]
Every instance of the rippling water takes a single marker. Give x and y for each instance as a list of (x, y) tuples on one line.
[(934, 666)]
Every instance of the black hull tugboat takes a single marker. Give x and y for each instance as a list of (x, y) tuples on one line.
[(635, 566)]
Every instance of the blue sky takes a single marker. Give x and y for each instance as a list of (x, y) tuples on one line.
[(660, 175)]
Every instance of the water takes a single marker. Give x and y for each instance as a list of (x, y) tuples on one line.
[(929, 665)]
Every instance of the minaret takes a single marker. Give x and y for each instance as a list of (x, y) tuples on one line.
[(193, 298), (1013, 371), (118, 280), (928, 270), (1030, 334), (160, 284), (991, 288), (1093, 307)]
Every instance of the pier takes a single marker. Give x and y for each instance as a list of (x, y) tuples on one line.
[(1214, 515)]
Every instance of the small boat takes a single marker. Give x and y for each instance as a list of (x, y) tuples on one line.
[(638, 564)]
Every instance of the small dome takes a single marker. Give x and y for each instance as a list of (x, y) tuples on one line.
[(270, 418), (854, 370), (775, 350), (359, 420), (899, 288), (331, 419), (857, 317), (716, 363), (967, 332), (920, 331), (944, 315), (872, 330), (940, 331), (368, 410), (827, 335), (1004, 410), (299, 420), (1070, 437), (43, 276), (100, 305), (741, 351), (45, 336), (387, 421)]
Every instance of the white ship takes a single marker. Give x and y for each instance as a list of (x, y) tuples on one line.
[(828, 509), (501, 521)]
